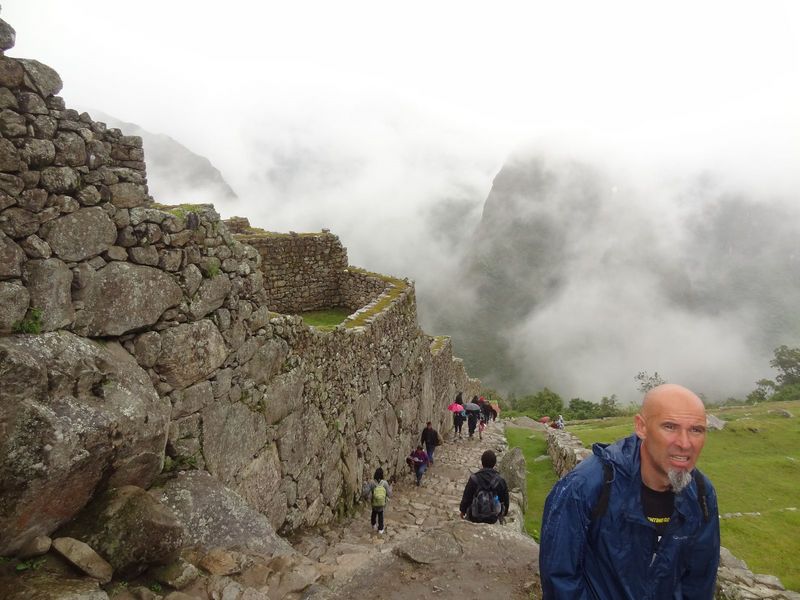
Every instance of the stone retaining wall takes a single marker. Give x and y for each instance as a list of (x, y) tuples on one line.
[(140, 341), (734, 580), (302, 272)]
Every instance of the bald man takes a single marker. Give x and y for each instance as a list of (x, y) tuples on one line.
[(636, 519)]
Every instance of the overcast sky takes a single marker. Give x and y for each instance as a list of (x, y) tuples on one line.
[(365, 116), (629, 74)]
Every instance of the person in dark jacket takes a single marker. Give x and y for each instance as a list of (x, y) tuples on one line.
[(636, 519), (472, 417), (485, 479), (430, 438)]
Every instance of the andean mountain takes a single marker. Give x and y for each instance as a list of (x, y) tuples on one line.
[(176, 175), (577, 281)]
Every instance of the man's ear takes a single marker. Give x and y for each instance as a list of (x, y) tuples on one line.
[(640, 428)]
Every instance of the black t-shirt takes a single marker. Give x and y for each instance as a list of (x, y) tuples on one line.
[(658, 507)]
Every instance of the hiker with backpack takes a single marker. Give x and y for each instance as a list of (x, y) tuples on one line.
[(377, 492), (485, 498), (636, 519)]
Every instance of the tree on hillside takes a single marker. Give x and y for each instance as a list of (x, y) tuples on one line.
[(543, 403), (787, 362), (582, 409), (608, 406), (647, 382)]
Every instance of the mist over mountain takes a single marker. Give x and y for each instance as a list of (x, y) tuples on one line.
[(579, 277), (175, 174)]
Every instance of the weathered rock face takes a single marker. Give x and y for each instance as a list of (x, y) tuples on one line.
[(513, 469), (190, 353), (71, 410), (214, 516), (122, 297)]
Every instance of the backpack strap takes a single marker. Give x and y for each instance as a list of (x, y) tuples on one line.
[(602, 503), (700, 482)]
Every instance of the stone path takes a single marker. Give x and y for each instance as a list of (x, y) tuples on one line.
[(343, 549)]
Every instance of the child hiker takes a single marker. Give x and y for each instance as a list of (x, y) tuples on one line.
[(378, 491)]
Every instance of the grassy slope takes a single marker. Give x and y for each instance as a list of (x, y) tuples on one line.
[(541, 476), (753, 471)]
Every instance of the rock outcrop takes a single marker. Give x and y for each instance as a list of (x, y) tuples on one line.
[(141, 345)]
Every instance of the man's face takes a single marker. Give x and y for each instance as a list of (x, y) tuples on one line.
[(673, 431)]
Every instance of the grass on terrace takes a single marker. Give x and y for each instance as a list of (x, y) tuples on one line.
[(541, 476), (325, 320), (754, 463)]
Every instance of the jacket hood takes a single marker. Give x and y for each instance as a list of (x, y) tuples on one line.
[(622, 454)]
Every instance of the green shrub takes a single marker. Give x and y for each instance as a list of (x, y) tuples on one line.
[(32, 323)]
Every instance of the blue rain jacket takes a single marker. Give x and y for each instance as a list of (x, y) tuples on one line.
[(617, 556)]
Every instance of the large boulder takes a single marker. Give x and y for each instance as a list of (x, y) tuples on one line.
[(73, 414), (260, 484), (215, 516), (513, 469), (130, 529), (49, 586), (122, 297), (44, 79), (233, 434)]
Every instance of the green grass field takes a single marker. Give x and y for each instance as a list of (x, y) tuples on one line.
[(325, 320), (541, 476), (754, 463)]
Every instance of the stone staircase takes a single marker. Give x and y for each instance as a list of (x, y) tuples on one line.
[(343, 549)]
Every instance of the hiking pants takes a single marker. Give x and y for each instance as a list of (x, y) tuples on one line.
[(429, 448), (421, 468), (376, 515)]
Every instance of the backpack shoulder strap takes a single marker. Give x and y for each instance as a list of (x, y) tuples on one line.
[(602, 503), (700, 482)]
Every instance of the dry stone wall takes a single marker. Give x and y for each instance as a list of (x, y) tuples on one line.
[(734, 580), (141, 342), (301, 271)]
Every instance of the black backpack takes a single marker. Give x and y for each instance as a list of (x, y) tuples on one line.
[(486, 507)]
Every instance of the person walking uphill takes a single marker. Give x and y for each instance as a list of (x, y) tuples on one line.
[(636, 519), (378, 492), (485, 498), (429, 437), (418, 461)]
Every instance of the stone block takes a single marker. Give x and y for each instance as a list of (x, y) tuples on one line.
[(80, 235), (14, 303), (190, 352), (60, 180), (11, 257), (49, 284), (123, 297), (12, 124)]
